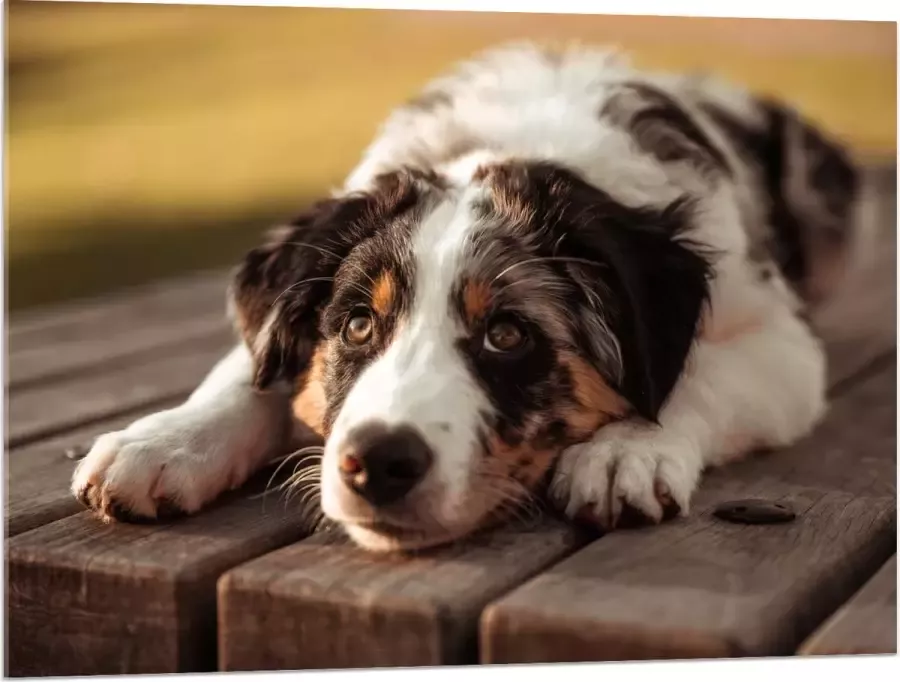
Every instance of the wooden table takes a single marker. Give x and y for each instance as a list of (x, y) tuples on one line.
[(240, 587)]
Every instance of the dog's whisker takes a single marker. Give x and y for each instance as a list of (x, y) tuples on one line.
[(302, 453), (312, 475), (543, 259), (308, 280), (332, 254), (297, 488)]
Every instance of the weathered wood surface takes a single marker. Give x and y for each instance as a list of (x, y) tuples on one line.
[(97, 372), (91, 598), (867, 624), (321, 604), (88, 598), (144, 321), (701, 587), (43, 410)]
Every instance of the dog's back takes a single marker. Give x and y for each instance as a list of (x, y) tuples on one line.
[(796, 189)]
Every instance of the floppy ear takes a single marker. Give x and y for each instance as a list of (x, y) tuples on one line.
[(279, 291), (280, 287), (651, 284)]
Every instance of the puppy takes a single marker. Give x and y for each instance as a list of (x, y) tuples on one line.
[(550, 269)]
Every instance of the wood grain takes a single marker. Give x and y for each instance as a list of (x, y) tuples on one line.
[(88, 598), (82, 318), (42, 411), (64, 341), (867, 624), (701, 587), (321, 604)]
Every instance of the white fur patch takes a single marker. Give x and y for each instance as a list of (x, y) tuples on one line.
[(421, 379)]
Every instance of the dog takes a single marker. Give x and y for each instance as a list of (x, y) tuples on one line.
[(550, 272)]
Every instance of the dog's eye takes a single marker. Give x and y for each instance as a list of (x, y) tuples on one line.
[(358, 330), (504, 336)]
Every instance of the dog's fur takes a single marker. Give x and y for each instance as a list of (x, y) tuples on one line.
[(651, 242)]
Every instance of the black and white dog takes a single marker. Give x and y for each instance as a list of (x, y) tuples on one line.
[(550, 268)]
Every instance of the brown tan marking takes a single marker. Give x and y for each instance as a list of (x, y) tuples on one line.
[(383, 294), (310, 404), (476, 300), (598, 403), (508, 182), (523, 463)]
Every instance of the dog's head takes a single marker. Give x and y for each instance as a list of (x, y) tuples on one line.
[(449, 340)]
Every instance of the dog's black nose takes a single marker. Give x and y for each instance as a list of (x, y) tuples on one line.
[(381, 464)]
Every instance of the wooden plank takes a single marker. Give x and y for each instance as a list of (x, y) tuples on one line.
[(41, 411), (38, 477), (57, 343), (701, 587), (56, 360), (326, 604), (156, 298), (867, 624), (88, 598)]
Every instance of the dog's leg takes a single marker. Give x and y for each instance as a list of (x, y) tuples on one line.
[(178, 460), (764, 387)]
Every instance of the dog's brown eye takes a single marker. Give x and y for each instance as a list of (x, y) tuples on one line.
[(358, 330), (504, 336)]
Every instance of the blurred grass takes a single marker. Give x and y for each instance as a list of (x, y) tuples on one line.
[(145, 140)]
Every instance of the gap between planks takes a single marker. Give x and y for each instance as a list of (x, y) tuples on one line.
[(866, 624), (47, 410)]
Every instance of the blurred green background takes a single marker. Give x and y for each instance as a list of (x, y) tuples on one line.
[(148, 140)]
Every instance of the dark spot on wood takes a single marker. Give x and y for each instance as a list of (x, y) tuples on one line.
[(755, 512), (77, 451)]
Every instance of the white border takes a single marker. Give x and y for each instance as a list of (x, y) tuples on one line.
[(857, 10), (752, 670)]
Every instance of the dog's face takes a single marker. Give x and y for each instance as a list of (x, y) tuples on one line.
[(449, 340)]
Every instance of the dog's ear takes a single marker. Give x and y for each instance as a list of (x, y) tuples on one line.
[(641, 283), (278, 292)]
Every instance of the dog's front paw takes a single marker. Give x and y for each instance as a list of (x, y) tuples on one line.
[(628, 473), (160, 467)]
